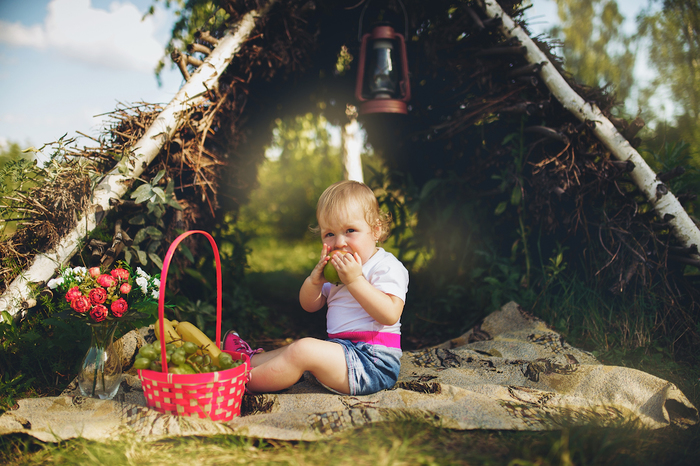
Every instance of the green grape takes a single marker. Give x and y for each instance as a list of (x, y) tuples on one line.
[(147, 351), (225, 361), (177, 358), (206, 360), (187, 369), (142, 363), (175, 370), (155, 366), (198, 360), (170, 347), (189, 347)]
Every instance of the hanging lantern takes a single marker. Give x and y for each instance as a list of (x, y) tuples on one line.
[(382, 74)]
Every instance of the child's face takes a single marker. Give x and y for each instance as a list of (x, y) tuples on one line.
[(349, 232)]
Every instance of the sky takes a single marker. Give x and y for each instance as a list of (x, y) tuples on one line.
[(62, 62)]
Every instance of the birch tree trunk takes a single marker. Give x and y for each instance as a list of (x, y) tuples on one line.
[(115, 184), (352, 151), (664, 202)]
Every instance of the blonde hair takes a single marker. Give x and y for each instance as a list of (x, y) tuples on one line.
[(346, 195)]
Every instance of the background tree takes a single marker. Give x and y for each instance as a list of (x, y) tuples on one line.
[(303, 162), (673, 35), (595, 49)]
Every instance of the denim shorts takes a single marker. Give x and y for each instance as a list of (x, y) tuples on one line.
[(371, 368)]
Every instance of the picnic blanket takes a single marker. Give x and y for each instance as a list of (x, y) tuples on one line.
[(509, 372)]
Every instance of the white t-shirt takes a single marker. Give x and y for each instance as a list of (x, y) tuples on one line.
[(386, 273)]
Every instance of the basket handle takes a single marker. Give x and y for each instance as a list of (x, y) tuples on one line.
[(161, 296)]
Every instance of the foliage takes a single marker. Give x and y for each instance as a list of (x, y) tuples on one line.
[(148, 239), (673, 36), (290, 184), (38, 355), (595, 48), (11, 152), (193, 15)]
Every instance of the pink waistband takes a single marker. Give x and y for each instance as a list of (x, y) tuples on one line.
[(391, 340)]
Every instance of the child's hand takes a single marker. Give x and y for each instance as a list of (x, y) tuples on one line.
[(316, 276), (349, 267)]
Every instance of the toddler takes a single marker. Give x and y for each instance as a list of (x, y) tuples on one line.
[(363, 351)]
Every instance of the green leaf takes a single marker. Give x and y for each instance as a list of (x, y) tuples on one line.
[(143, 257), (157, 178), (500, 208), (508, 138), (122, 166), (139, 219), (172, 202), (153, 247), (142, 193), (141, 235), (156, 260), (186, 251), (160, 193), (154, 232), (516, 195), (492, 281), (196, 274), (429, 187)]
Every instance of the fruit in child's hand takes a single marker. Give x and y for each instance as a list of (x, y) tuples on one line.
[(329, 272)]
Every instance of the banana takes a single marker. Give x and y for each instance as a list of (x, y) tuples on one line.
[(171, 335), (190, 332)]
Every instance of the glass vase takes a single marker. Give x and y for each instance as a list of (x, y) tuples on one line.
[(101, 370)]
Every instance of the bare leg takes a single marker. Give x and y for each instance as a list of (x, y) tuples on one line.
[(281, 368)]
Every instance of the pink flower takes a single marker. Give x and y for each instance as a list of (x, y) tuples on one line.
[(94, 272), (120, 274), (119, 307), (97, 295), (106, 280), (73, 293), (125, 288), (81, 304), (98, 313)]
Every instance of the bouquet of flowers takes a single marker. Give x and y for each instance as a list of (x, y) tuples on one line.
[(97, 297), (103, 300)]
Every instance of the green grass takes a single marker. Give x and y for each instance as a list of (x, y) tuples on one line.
[(273, 255), (399, 443)]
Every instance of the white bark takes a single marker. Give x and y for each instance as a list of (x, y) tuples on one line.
[(115, 184), (683, 227), (352, 151)]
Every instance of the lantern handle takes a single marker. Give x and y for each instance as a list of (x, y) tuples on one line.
[(405, 20)]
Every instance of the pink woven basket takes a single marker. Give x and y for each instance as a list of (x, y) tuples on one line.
[(212, 395)]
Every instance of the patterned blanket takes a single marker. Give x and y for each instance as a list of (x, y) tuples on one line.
[(509, 372)]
